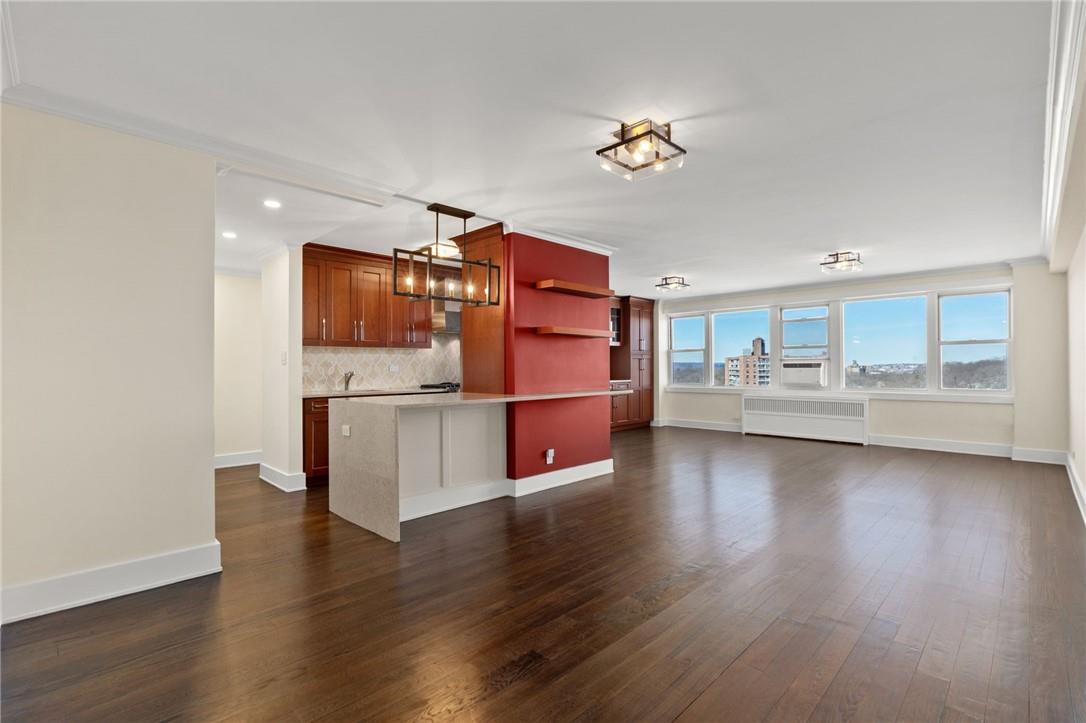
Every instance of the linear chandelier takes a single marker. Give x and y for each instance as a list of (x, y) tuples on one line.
[(439, 271)]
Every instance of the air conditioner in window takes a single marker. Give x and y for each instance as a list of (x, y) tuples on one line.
[(805, 373)]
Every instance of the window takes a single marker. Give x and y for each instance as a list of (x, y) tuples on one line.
[(805, 333), (741, 348), (688, 350), (974, 335), (886, 343)]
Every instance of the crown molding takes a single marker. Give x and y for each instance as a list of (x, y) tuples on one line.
[(11, 59), (229, 155), (561, 238), (1061, 110), (998, 274)]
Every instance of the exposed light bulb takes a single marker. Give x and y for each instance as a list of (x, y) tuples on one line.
[(639, 156), (645, 145)]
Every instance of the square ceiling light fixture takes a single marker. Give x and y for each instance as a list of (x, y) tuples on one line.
[(643, 149), (841, 262), (672, 283)]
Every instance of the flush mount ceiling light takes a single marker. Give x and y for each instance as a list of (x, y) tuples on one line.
[(643, 149), (439, 271), (229, 234), (672, 283), (271, 203), (841, 261)]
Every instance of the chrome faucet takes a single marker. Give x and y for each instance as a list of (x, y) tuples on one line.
[(347, 381)]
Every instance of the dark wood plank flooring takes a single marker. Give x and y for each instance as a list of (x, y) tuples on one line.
[(713, 577)]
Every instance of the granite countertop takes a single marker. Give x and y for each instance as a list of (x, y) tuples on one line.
[(369, 392), (457, 399)]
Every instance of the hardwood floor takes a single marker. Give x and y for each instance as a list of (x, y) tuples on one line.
[(713, 577)]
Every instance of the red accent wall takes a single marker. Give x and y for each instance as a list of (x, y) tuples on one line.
[(579, 430)]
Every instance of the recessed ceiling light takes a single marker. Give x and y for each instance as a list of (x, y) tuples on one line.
[(271, 203), (840, 261), (229, 234)]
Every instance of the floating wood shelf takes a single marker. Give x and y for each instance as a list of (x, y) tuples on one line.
[(573, 331), (571, 287)]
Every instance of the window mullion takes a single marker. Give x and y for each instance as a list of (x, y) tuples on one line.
[(935, 370)]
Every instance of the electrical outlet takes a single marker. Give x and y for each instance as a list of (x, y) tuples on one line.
[(550, 456), (346, 430)]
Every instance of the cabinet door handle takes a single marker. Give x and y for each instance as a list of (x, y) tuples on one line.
[(355, 325), (361, 331), (323, 326)]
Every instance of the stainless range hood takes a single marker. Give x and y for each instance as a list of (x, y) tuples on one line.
[(446, 317)]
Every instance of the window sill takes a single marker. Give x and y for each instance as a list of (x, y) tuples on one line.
[(964, 398)]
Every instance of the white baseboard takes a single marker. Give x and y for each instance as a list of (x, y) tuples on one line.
[(449, 498), (1044, 456), (101, 583), (288, 482), (941, 445), (559, 477), (237, 459), (699, 424), (1076, 486)]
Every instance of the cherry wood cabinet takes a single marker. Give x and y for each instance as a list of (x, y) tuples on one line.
[(347, 300), (410, 323), (315, 438), (632, 360)]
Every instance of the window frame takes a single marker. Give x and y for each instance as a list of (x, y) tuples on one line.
[(706, 344), (712, 344), (826, 360), (1008, 341), (933, 289), (842, 365)]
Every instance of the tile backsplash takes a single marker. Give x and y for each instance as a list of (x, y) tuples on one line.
[(323, 367)]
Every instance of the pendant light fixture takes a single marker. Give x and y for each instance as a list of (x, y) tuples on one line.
[(642, 149), (439, 271), (672, 283), (841, 262)]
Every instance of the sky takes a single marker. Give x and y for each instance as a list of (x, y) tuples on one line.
[(877, 331)]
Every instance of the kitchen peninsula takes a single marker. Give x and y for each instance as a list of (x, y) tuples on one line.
[(396, 458)]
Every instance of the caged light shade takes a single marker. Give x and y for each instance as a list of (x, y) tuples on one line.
[(641, 150)]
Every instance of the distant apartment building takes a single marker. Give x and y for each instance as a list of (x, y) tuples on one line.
[(751, 368)]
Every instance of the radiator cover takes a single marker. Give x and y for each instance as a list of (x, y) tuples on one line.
[(827, 418)]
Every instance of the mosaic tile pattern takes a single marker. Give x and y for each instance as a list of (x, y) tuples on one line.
[(323, 367)]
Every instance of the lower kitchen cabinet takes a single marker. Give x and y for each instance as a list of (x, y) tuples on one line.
[(315, 439)]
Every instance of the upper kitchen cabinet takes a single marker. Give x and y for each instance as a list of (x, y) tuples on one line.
[(410, 322), (631, 360), (344, 298)]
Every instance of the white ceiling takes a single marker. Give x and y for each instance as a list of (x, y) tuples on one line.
[(911, 132)]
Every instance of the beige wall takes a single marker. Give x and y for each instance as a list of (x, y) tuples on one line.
[(1040, 358), (107, 351), (238, 365), (1037, 420)]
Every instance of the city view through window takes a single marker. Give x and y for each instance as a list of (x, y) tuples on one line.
[(885, 344)]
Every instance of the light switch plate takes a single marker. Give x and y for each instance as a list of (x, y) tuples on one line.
[(346, 430)]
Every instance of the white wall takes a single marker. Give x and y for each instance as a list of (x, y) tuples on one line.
[(238, 369), (1076, 343), (107, 361), (1035, 419), (281, 349)]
